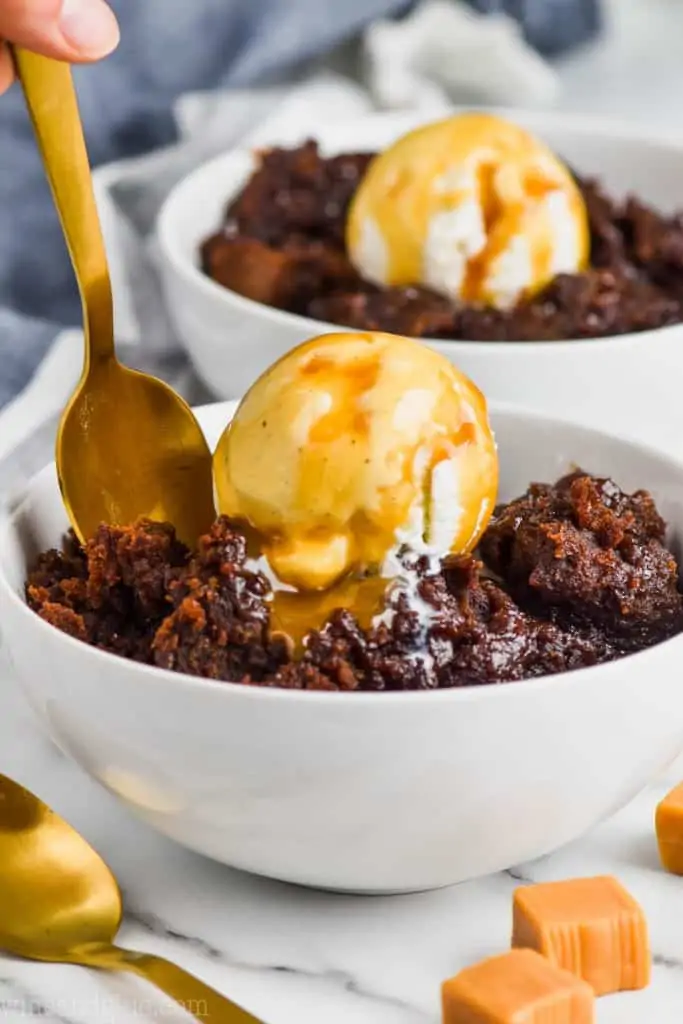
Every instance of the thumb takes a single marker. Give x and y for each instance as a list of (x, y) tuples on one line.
[(71, 30)]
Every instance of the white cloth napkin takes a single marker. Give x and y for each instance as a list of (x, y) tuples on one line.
[(442, 53)]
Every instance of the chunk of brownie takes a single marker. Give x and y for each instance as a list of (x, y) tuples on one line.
[(298, 192), (220, 626), (413, 312), (586, 554), (287, 278), (595, 304), (133, 563), (111, 594), (497, 641)]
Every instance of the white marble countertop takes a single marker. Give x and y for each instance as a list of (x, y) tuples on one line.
[(294, 956), (291, 955)]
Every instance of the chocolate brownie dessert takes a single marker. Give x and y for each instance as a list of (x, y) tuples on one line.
[(585, 553), (282, 244), (570, 575)]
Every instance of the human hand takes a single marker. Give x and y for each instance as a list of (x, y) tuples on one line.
[(72, 30)]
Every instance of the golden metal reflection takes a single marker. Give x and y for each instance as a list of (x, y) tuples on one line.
[(128, 445), (60, 903)]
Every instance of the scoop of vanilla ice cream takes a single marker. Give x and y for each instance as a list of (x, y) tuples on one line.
[(473, 207), (351, 446)]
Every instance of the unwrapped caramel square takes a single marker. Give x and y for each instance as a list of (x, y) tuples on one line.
[(590, 926), (669, 828), (519, 987)]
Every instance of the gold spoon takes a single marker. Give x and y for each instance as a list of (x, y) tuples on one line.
[(60, 903), (127, 445)]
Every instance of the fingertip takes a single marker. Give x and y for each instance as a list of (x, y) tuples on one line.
[(89, 27), (6, 69)]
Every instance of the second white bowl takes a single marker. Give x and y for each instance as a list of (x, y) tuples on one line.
[(629, 383)]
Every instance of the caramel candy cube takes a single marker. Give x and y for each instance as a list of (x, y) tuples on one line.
[(669, 829), (519, 987), (589, 926)]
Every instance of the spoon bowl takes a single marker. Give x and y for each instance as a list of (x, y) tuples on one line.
[(61, 903), (56, 893), (128, 446)]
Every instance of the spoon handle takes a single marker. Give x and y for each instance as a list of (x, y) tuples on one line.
[(199, 1000), (53, 108)]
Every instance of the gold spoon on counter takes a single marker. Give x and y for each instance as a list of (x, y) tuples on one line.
[(60, 903), (128, 445)]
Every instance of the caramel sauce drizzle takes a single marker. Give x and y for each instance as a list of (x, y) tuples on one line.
[(296, 613), (502, 221)]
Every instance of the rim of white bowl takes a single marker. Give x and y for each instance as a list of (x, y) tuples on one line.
[(617, 130), (497, 691)]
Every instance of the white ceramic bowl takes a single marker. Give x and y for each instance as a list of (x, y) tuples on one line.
[(624, 383), (365, 792)]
